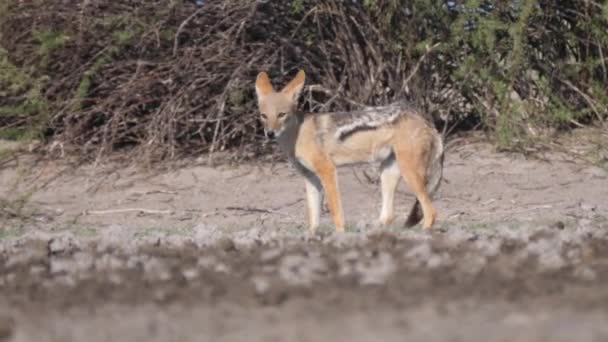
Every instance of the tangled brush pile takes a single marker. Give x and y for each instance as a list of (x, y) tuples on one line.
[(168, 78)]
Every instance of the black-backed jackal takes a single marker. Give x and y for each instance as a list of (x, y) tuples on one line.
[(397, 136)]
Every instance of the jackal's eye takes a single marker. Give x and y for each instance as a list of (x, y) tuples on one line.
[(282, 115), (264, 116)]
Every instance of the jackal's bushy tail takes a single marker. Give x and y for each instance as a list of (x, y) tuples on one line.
[(434, 174)]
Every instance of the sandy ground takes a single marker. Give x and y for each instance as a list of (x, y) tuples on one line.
[(96, 253)]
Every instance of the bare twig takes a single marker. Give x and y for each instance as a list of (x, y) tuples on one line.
[(181, 27), (418, 64), (586, 97), (320, 88), (127, 210), (255, 210)]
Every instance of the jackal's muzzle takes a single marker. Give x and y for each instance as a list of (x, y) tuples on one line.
[(269, 133)]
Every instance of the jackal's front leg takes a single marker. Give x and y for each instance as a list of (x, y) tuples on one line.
[(313, 202), (326, 172)]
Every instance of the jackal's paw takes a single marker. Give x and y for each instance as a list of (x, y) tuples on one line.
[(385, 221), (427, 225), (429, 221), (312, 231)]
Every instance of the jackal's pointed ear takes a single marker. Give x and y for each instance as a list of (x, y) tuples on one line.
[(295, 86), (263, 86)]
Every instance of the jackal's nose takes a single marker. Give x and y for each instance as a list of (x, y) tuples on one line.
[(269, 133)]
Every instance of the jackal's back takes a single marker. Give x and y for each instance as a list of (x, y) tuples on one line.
[(366, 135), (346, 124)]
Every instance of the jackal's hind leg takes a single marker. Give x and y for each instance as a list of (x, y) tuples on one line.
[(389, 179), (413, 168), (313, 202)]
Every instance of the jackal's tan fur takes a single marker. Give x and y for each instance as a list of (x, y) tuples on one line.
[(397, 136)]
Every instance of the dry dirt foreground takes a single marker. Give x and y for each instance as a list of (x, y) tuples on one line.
[(221, 254)]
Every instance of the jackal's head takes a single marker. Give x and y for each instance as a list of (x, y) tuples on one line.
[(275, 107)]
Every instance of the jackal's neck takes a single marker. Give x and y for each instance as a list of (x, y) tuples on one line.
[(288, 137)]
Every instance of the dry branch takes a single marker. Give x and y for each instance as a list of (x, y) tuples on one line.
[(127, 210)]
